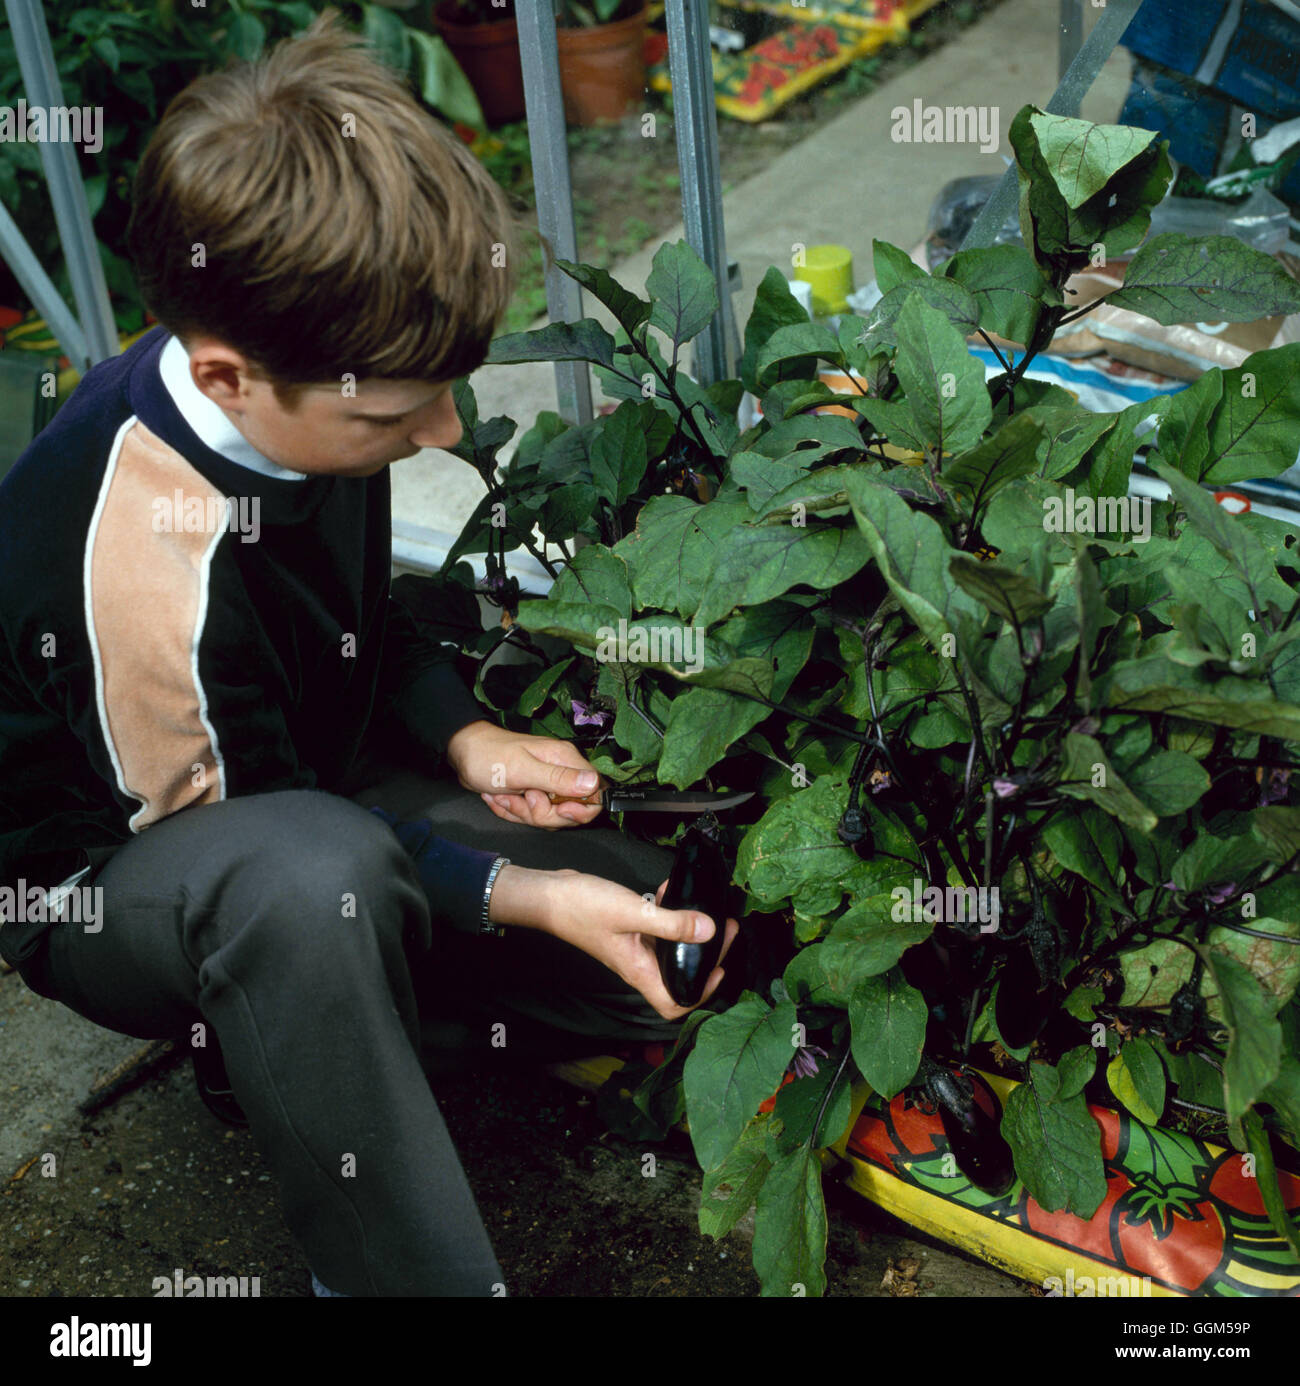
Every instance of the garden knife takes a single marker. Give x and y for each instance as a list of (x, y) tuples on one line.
[(650, 798)]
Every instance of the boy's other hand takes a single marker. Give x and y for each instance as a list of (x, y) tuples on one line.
[(612, 924), (515, 773)]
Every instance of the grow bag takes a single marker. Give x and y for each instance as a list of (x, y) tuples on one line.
[(1180, 1216)]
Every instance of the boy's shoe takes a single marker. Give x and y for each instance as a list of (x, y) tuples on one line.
[(321, 1292), (214, 1086)]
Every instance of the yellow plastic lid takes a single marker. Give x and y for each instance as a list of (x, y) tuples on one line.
[(828, 272)]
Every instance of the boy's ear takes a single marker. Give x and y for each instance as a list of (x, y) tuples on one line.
[(220, 372)]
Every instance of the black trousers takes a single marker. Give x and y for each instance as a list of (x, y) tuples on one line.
[(234, 916)]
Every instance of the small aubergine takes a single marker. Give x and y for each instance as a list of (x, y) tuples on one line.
[(974, 1134), (1024, 1005), (698, 881)]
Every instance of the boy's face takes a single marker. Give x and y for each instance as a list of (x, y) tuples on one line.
[(324, 432)]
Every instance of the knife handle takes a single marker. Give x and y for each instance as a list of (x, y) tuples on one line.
[(593, 798)]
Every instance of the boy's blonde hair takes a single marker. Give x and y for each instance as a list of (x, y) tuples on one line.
[(304, 210)]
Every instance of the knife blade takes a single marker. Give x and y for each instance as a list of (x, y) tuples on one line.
[(652, 799)]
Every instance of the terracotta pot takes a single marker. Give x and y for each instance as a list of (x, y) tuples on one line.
[(602, 70), (489, 55)]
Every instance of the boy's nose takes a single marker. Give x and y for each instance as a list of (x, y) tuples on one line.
[(441, 427)]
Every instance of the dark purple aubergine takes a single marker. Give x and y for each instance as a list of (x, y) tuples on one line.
[(1024, 1005), (974, 1134), (698, 881)]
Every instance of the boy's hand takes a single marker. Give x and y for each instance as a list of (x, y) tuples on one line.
[(513, 773), (612, 924)]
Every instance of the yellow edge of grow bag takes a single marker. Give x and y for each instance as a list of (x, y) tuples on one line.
[(999, 1244)]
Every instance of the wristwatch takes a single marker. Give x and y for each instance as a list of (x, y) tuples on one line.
[(485, 925)]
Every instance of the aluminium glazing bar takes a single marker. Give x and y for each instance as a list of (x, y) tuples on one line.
[(67, 193), (548, 143), (695, 118)]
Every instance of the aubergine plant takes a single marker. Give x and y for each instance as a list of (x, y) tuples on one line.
[(1023, 742)]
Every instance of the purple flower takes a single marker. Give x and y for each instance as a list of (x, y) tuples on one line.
[(583, 716), (804, 1065), (1216, 895), (1170, 886), (1085, 726), (1275, 791), (1004, 789)]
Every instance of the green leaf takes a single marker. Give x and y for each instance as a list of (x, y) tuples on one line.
[(1155, 683), (106, 50), (674, 546), (1254, 1057), (1176, 279), (630, 312), (795, 342), (683, 291), (763, 477), (1086, 773), (1075, 1071), (729, 1190), (884, 326), (913, 556), (1082, 158), (866, 940), (595, 575), (738, 1060), (778, 632), (584, 340), (774, 307), (888, 1018), (1083, 185), (442, 81), (1010, 453), (387, 35), (246, 37), (539, 690), (893, 266), (799, 1104), (1007, 594), (1137, 1078), (1278, 830), (1252, 433), (703, 725), (821, 493), (1269, 1189), (944, 383), (790, 1227), (1006, 285), (1168, 782), (1283, 1095), (618, 454), (794, 853), (1056, 1145), (755, 563), (1089, 844)]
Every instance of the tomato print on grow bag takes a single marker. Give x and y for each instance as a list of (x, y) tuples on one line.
[(1182, 1212)]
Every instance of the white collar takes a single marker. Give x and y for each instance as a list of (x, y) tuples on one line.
[(208, 419)]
